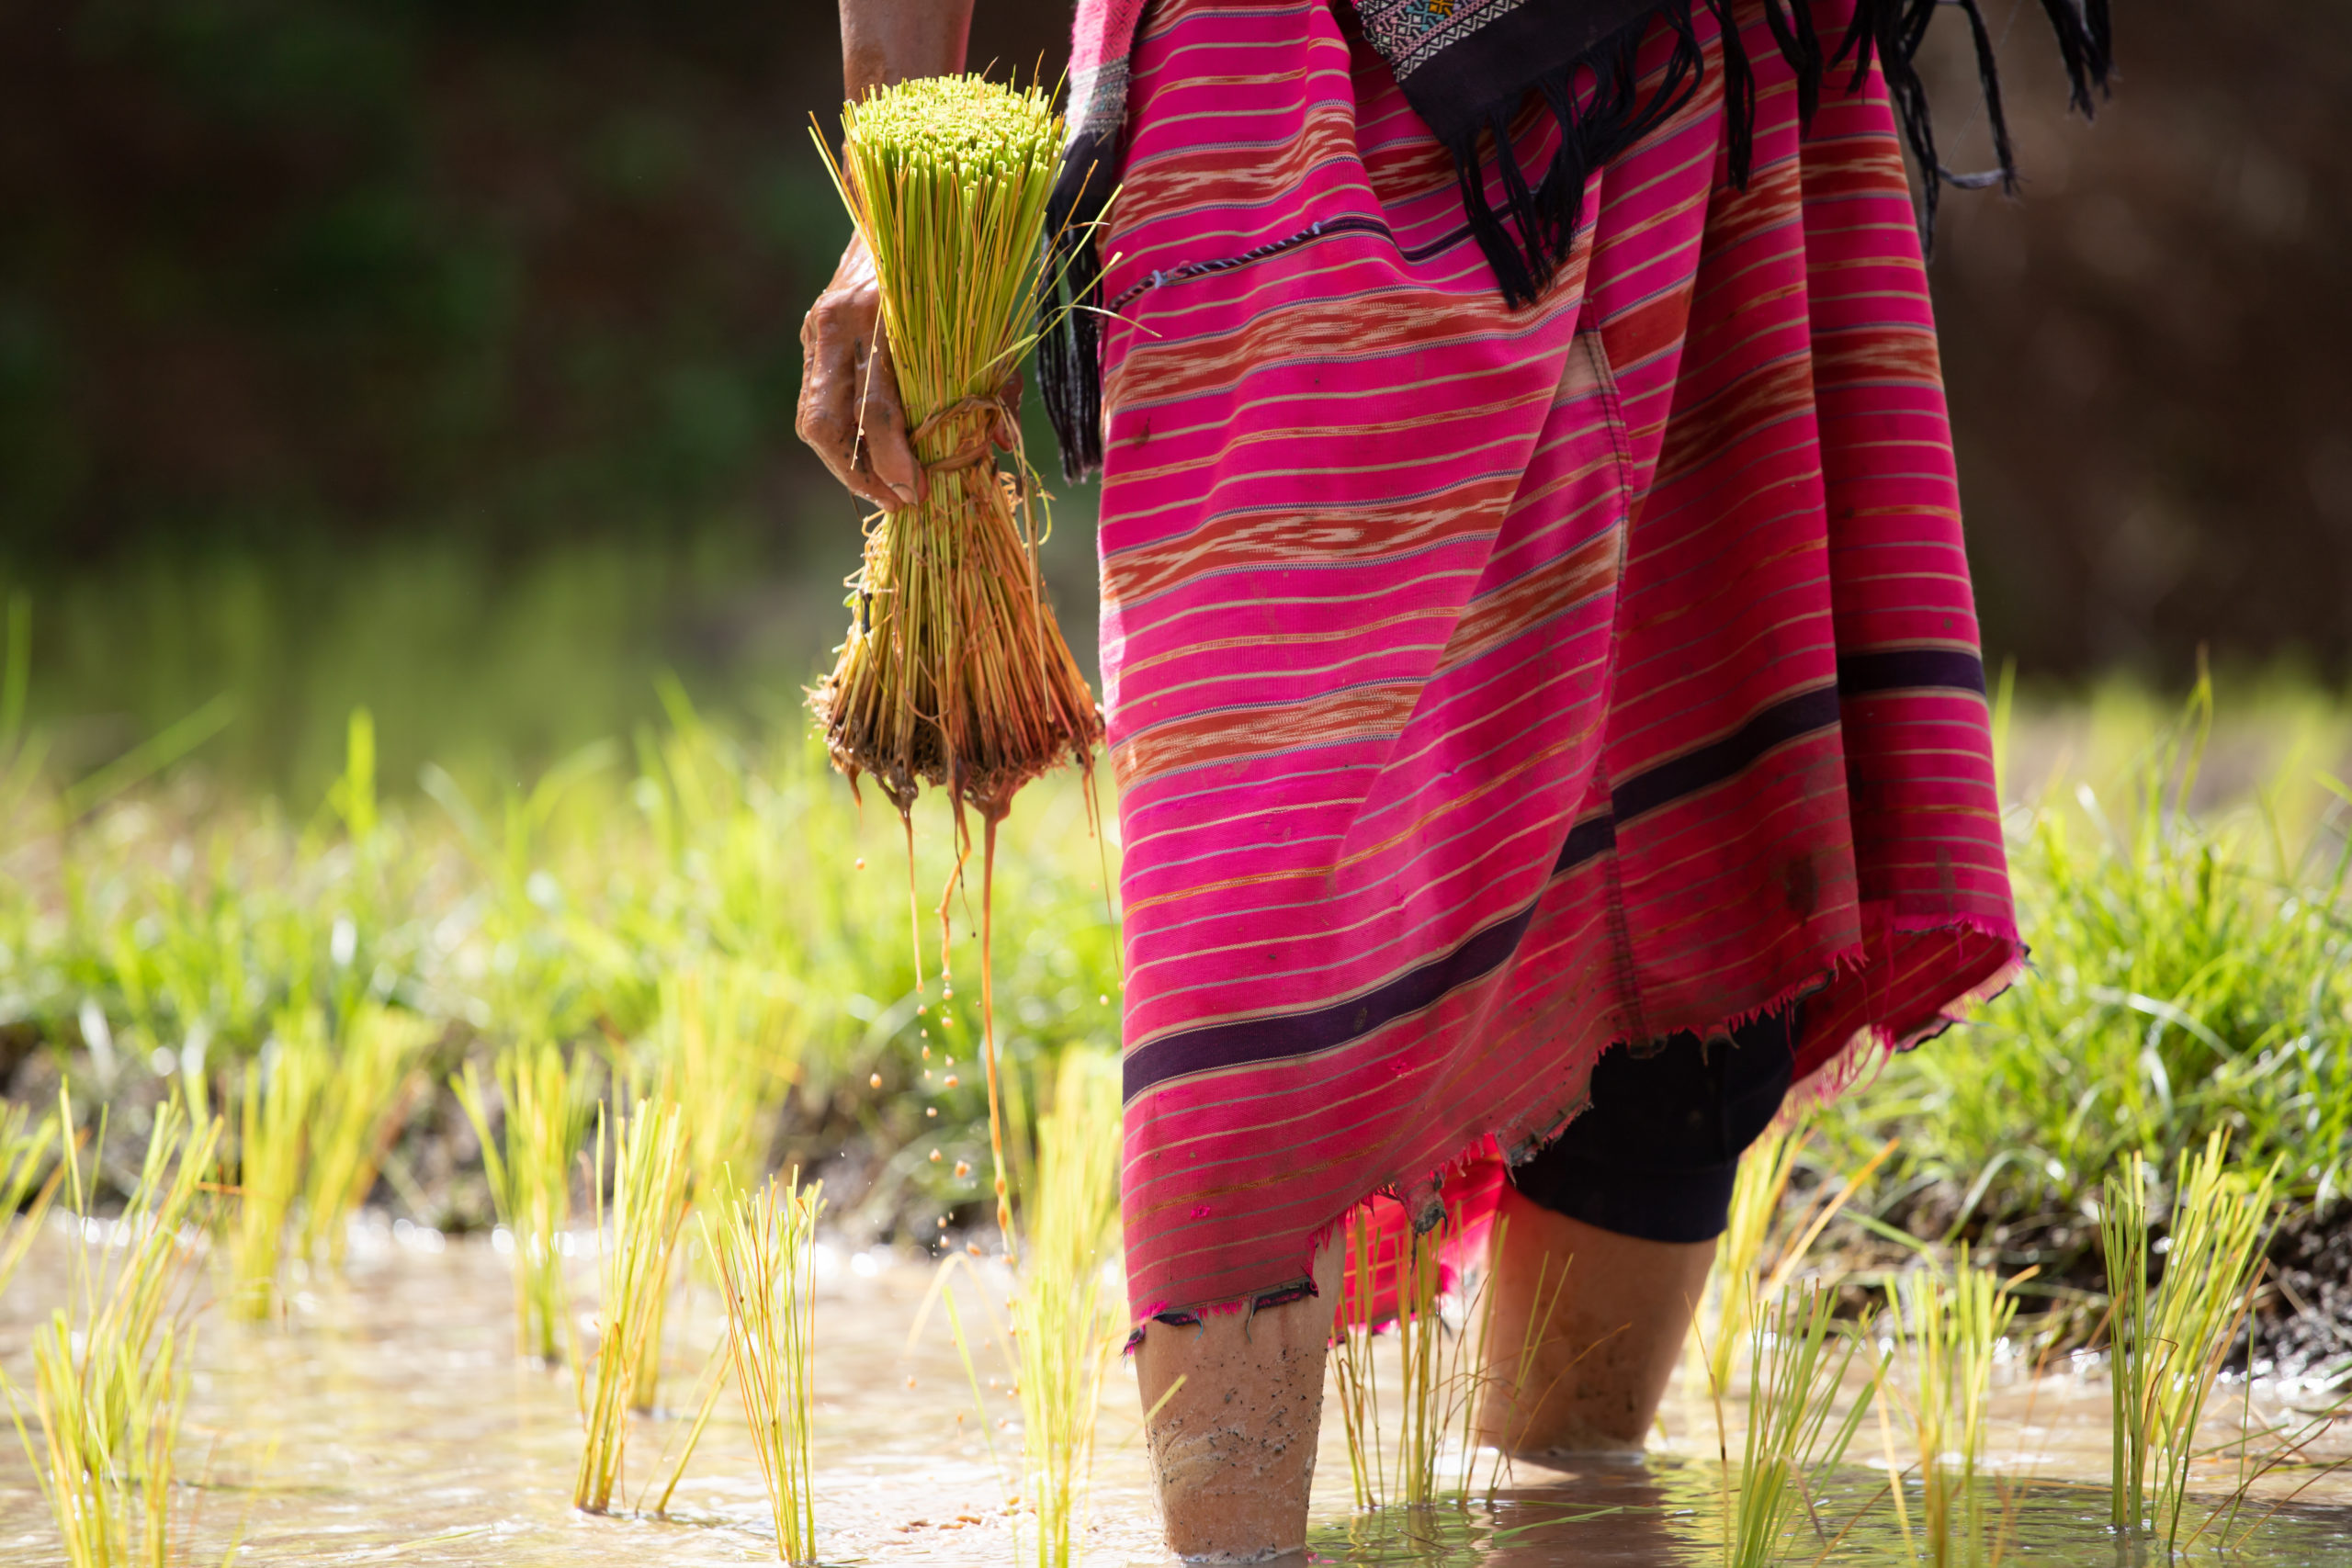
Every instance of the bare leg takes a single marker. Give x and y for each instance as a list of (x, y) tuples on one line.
[(1233, 1450), (1608, 1345)]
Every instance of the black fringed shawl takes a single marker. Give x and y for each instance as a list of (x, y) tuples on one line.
[(1467, 65)]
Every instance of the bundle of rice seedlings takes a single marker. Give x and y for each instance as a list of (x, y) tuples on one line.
[(546, 1097), (954, 672), (276, 1109), (26, 1144), (761, 1245), (111, 1368), (362, 1102), (1796, 1374), (648, 1208), (1946, 1330), (2168, 1344), (1069, 1307), (1440, 1366)]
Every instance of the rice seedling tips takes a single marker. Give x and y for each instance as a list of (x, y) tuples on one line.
[(25, 1195), (648, 1207), (2167, 1343), (546, 1097), (761, 1245)]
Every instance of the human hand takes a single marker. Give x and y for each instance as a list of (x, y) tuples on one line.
[(849, 409)]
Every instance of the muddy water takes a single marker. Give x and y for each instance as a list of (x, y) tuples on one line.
[(389, 1421)]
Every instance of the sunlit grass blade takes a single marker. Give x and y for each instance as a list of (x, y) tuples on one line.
[(27, 1146), (761, 1244)]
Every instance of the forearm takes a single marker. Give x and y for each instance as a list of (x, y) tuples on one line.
[(890, 40)]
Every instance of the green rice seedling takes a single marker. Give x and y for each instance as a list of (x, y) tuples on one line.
[(1068, 1307), (362, 1102), (111, 1368), (1799, 1356), (277, 1109), (2167, 1343), (1946, 1329), (1741, 1277), (546, 1098), (25, 1195), (762, 1247), (726, 1045), (648, 1208), (1442, 1368)]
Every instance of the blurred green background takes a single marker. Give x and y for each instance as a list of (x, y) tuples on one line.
[(441, 357)]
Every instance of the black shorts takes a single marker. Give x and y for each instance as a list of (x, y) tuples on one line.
[(1652, 1155)]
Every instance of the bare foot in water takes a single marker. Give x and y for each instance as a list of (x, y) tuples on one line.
[(1233, 1449), (1610, 1338)]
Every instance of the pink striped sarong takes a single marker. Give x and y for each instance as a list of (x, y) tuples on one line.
[(1488, 687)]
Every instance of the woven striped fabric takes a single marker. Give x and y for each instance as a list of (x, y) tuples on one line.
[(1488, 687)]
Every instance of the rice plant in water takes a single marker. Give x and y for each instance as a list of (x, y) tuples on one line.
[(362, 1101), (1440, 1367), (111, 1368), (546, 1097), (277, 1105), (761, 1245), (1069, 1306), (1799, 1356), (1946, 1330), (2168, 1342), (648, 1208)]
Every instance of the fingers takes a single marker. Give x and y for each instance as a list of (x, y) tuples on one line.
[(846, 382), (884, 422)]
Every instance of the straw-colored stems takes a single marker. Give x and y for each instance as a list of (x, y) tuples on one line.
[(2168, 1343), (110, 1366), (27, 1143), (546, 1098), (362, 1103), (1946, 1329), (1068, 1307), (1798, 1358), (649, 1206), (280, 1099), (761, 1245), (1441, 1371)]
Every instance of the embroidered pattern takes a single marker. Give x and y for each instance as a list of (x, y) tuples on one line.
[(1410, 33)]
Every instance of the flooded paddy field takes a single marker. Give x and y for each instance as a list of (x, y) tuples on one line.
[(389, 1420)]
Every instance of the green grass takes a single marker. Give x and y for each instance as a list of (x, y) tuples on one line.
[(2192, 974), (648, 1173), (1799, 1354), (545, 1099), (1946, 1325)]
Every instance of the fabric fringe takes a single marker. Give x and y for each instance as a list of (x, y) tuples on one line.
[(1598, 105)]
